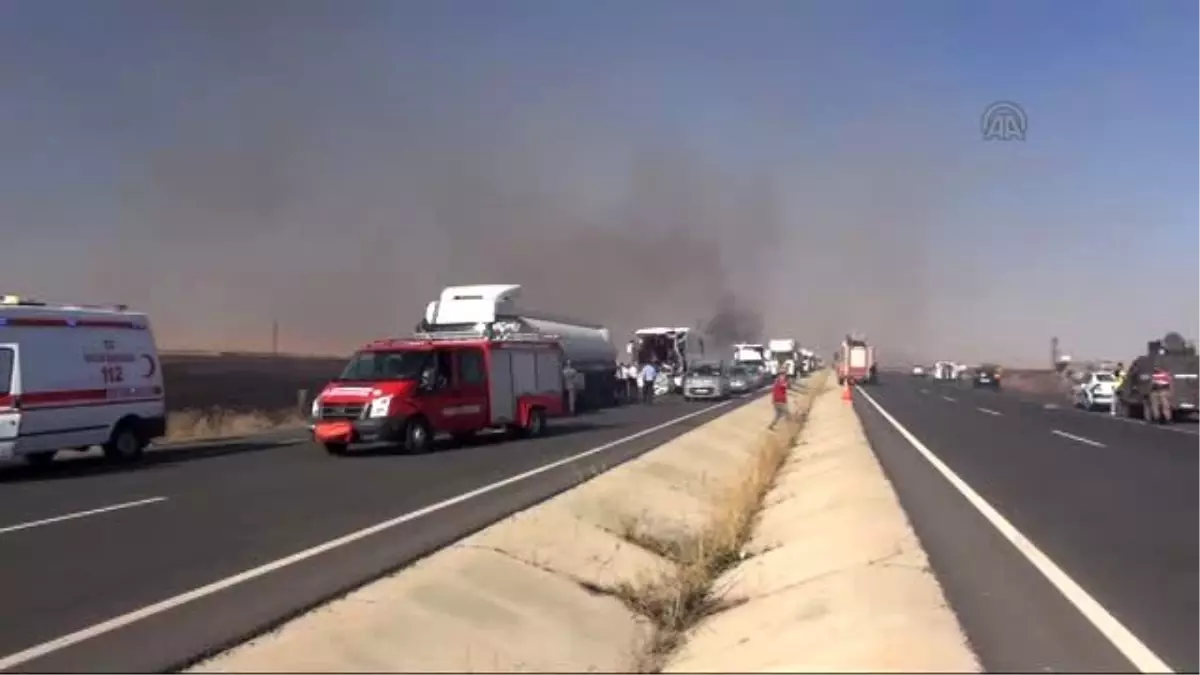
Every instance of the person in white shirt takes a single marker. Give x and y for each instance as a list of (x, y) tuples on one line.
[(570, 384), (629, 382)]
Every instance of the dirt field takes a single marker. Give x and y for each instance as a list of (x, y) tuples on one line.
[(213, 395), (1045, 382)]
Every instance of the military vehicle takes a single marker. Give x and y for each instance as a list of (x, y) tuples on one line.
[(1167, 374)]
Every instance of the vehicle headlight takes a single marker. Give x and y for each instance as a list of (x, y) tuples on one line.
[(380, 406), (315, 411)]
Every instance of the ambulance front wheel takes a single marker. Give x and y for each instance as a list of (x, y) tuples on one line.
[(126, 443)]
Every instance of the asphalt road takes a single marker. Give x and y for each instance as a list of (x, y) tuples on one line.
[(1065, 541), (148, 568)]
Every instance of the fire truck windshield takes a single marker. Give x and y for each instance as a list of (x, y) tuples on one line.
[(372, 366)]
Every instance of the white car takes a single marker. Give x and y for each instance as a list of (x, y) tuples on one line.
[(1095, 390), (918, 371)]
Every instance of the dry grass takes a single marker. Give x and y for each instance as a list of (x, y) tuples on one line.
[(195, 425), (680, 600)]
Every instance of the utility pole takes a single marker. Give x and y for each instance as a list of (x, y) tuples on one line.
[(275, 337)]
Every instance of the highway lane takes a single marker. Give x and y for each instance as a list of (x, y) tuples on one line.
[(1113, 505), (206, 521)]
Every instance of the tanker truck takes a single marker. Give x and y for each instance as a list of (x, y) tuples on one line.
[(491, 310)]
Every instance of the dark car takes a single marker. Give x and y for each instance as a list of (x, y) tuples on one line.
[(986, 376)]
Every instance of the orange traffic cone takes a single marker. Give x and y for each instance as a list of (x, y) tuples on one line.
[(846, 392)]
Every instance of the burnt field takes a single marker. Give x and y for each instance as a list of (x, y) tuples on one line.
[(243, 383)]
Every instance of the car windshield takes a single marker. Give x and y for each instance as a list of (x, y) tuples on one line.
[(738, 371), (385, 365), (706, 370), (1105, 377)]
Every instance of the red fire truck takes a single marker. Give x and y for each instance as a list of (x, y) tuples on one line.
[(405, 391), (856, 361)]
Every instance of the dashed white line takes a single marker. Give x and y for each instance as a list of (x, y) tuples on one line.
[(80, 514), (1079, 439), (1125, 641), (924, 391), (989, 411), (950, 398), (62, 642)]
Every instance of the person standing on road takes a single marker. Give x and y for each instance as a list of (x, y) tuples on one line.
[(635, 379), (1160, 396), (649, 373), (1116, 397), (570, 380), (779, 397)]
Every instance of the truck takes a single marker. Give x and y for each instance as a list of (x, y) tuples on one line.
[(490, 310), (856, 361), (750, 354), (786, 356), (405, 392), (1168, 369), (670, 350)]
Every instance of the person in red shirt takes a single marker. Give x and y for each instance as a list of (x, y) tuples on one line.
[(779, 396)]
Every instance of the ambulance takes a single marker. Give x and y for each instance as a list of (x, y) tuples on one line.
[(77, 376), (404, 392)]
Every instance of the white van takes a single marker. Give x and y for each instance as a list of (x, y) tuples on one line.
[(73, 377)]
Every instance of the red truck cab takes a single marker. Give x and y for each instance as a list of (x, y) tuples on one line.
[(404, 392)]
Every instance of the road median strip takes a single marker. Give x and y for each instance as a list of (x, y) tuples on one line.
[(639, 569)]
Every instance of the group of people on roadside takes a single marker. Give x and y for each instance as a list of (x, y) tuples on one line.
[(635, 382)]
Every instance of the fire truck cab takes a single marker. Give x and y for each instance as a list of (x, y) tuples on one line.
[(405, 391)]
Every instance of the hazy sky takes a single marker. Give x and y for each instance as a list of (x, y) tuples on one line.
[(223, 164)]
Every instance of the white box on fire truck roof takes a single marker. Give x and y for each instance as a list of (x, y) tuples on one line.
[(75, 376)]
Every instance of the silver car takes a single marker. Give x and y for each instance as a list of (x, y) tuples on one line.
[(757, 375), (705, 380), (741, 380)]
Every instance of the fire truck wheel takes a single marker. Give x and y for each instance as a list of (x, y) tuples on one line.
[(416, 436), (40, 459), (338, 449), (126, 443), (536, 424)]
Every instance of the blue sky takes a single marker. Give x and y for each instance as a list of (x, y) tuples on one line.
[(218, 165)]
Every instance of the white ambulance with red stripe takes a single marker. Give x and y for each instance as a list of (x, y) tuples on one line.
[(76, 376)]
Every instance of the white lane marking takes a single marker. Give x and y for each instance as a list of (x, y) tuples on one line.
[(1125, 641), (950, 398), (1080, 439), (1127, 420), (924, 391), (80, 514), (161, 606), (989, 411)]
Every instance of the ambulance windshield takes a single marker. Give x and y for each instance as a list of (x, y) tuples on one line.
[(372, 366), (6, 370)]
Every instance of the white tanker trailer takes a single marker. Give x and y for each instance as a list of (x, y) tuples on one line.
[(491, 309)]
